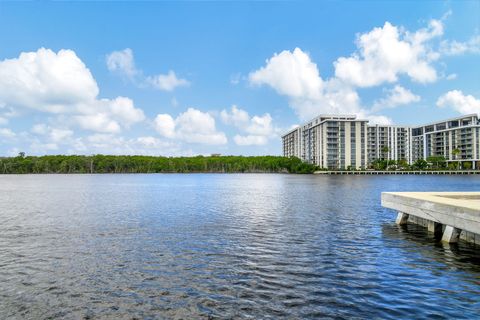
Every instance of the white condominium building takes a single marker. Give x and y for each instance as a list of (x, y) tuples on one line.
[(389, 143), (456, 139), (343, 141), (334, 142), (292, 143)]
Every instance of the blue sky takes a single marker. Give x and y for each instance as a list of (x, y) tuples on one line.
[(185, 78)]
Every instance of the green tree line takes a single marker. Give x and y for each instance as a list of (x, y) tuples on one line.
[(151, 164), (432, 163)]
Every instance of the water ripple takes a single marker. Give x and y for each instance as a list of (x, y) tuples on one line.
[(225, 247)]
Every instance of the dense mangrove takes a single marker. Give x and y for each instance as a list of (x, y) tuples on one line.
[(151, 164)]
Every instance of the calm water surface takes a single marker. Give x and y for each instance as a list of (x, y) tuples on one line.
[(197, 246)]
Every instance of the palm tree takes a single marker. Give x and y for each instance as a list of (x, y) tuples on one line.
[(455, 153), (385, 152), (385, 156)]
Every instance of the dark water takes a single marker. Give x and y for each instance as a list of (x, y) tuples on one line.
[(226, 246)]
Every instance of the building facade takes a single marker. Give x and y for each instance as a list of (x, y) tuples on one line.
[(334, 142), (292, 143), (343, 141), (455, 139), (389, 143)]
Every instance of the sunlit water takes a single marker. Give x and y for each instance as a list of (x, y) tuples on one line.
[(193, 246)]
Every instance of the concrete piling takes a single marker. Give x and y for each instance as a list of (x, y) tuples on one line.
[(402, 218), (454, 215), (451, 234), (434, 227)]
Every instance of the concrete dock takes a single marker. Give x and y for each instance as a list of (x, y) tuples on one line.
[(454, 215)]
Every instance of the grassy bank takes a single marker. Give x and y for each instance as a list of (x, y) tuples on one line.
[(151, 164)]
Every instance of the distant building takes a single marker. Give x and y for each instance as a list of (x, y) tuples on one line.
[(292, 143), (389, 143), (329, 141), (216, 155), (343, 141), (442, 137)]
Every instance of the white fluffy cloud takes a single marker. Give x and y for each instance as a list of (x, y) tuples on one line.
[(114, 144), (47, 138), (42, 148), (294, 75), (110, 115), (332, 96), (192, 126), (123, 110), (123, 62), (165, 125), (98, 143), (375, 119), (46, 81), (396, 96), (258, 129), (289, 73), (451, 76), (7, 133), (61, 84), (387, 52), (465, 104), (383, 54), (236, 116), (453, 48), (55, 135), (250, 140), (260, 125), (99, 122), (167, 82)]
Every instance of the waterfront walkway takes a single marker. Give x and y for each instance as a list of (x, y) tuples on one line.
[(372, 172)]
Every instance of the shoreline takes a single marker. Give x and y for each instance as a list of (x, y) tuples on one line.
[(413, 172), (320, 173)]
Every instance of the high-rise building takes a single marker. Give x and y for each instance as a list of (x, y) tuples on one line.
[(455, 139), (387, 142), (334, 142), (343, 141), (292, 143)]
